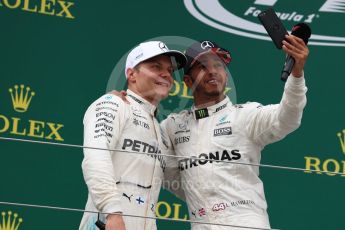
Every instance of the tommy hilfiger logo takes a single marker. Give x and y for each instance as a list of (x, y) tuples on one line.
[(202, 212), (21, 99), (342, 140)]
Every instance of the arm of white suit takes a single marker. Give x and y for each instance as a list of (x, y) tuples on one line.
[(271, 123), (102, 127)]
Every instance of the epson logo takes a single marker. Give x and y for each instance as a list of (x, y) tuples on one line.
[(222, 131), (105, 114)]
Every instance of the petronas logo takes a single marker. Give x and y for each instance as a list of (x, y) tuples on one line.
[(21, 98), (9, 221)]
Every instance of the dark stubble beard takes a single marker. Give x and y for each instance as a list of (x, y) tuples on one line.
[(214, 93)]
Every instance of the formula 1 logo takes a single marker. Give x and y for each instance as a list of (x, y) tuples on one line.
[(240, 17)]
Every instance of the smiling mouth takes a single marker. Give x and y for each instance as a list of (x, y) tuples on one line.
[(163, 84), (212, 81)]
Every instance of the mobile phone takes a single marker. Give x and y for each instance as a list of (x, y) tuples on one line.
[(273, 26)]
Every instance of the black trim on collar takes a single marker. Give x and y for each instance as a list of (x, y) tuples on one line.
[(136, 99)]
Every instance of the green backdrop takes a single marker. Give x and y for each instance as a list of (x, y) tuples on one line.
[(70, 52)]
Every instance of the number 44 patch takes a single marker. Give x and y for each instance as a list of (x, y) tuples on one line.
[(219, 207)]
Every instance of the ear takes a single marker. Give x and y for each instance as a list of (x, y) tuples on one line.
[(131, 76), (188, 80)]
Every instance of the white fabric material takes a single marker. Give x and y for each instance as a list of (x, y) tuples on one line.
[(231, 193), (121, 181)]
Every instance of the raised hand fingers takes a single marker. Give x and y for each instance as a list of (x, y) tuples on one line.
[(122, 94), (295, 41), (296, 47)]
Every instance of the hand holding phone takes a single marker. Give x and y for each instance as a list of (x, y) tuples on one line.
[(273, 26)]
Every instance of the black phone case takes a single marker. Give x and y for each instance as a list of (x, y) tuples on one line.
[(273, 26)]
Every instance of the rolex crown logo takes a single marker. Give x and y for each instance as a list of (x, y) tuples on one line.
[(11, 222), (342, 140), (21, 98)]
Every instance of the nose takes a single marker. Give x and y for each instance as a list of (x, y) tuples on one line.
[(211, 69), (166, 74)]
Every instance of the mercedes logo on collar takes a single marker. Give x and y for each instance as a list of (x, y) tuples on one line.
[(206, 44), (163, 47)]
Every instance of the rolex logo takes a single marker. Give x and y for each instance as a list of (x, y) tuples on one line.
[(342, 140), (11, 222), (21, 98)]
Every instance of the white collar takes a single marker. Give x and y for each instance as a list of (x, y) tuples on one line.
[(200, 113), (147, 106)]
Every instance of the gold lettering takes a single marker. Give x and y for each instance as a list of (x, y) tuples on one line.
[(15, 127), (177, 89), (177, 212), (17, 3), (315, 164), (185, 92), (65, 9), (47, 6), (26, 6), (54, 131), (343, 168), (6, 124), (336, 166), (35, 129), (168, 209)]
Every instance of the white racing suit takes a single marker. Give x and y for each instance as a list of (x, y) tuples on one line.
[(228, 193), (119, 181)]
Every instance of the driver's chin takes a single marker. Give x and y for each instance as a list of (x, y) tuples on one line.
[(214, 92), (162, 93)]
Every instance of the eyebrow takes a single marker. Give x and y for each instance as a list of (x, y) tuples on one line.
[(213, 58), (155, 60), (170, 65)]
